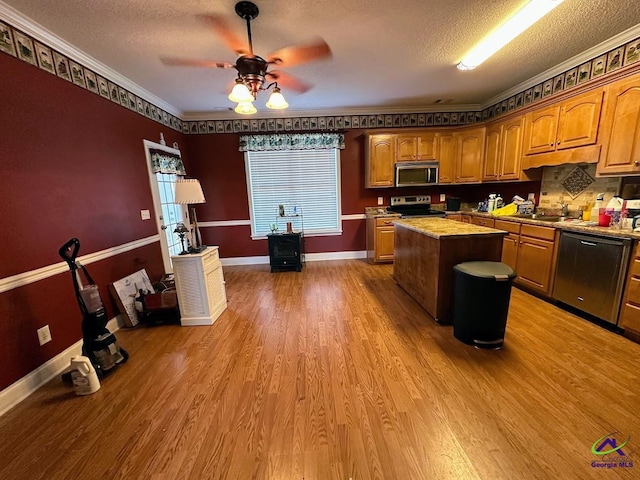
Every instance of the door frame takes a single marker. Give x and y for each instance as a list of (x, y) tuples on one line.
[(157, 204)]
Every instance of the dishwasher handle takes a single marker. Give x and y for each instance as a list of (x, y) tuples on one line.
[(591, 244)]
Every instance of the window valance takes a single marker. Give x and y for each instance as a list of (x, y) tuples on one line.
[(166, 162), (291, 141)]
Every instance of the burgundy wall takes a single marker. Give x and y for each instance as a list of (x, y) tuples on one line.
[(73, 165)]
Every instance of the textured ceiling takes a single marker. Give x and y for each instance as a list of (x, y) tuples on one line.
[(386, 55)]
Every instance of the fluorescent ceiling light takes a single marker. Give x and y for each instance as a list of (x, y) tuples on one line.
[(523, 19)]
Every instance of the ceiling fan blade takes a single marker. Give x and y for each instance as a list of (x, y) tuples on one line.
[(232, 41), (289, 82), (296, 55), (184, 62)]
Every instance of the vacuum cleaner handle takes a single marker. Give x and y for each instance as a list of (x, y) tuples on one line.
[(69, 252)]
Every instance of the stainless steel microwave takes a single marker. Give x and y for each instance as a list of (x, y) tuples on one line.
[(416, 174)]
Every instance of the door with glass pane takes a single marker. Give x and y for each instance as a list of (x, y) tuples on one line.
[(167, 213)]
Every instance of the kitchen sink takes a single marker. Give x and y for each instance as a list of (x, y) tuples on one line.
[(541, 218)]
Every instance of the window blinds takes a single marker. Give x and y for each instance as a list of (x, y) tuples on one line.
[(306, 179)]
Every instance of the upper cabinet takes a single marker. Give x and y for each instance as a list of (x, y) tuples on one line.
[(572, 123), (469, 155), (416, 147), (380, 151), (447, 160), (552, 132), (503, 151), (621, 129)]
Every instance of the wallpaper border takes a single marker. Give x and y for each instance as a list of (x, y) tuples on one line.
[(18, 44)]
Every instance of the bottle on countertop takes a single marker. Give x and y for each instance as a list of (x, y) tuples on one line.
[(491, 205), (499, 201), (597, 208)]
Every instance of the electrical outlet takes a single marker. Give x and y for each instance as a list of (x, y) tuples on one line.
[(145, 215), (442, 197), (380, 200), (44, 335)]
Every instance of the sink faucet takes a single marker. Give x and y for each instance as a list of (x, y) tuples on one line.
[(565, 210)]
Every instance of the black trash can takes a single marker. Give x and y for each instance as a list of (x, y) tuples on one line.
[(481, 302)]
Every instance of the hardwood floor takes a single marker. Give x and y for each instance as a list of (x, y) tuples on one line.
[(335, 373)]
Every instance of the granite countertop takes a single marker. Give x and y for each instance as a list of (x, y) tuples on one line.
[(381, 211), (567, 224), (443, 228)]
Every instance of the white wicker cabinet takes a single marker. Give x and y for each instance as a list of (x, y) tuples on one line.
[(200, 286)]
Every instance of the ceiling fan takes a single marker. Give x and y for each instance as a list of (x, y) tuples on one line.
[(253, 71)]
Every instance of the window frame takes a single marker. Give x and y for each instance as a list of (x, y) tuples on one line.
[(306, 231)]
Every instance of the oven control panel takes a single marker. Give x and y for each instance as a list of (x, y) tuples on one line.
[(411, 200)]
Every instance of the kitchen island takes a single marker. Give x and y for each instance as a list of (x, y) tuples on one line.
[(427, 249)]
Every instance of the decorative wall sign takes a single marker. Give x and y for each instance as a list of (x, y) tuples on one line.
[(6, 40), (45, 58), (24, 47)]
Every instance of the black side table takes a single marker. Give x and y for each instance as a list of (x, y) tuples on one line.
[(285, 251)]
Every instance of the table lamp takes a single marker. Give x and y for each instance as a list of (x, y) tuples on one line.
[(189, 191)]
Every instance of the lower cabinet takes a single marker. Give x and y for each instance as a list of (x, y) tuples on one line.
[(200, 287), (536, 257), (630, 312), (459, 217), (483, 221), (380, 239), (510, 243)]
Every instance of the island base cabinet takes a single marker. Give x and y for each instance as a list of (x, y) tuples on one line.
[(423, 266), (200, 287)]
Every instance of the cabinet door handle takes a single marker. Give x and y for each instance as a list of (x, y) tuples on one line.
[(551, 144), (636, 163)]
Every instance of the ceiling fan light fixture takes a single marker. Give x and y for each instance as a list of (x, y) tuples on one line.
[(240, 92), (245, 108), (276, 100), (523, 19)]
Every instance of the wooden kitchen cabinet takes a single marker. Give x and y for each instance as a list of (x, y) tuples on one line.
[(621, 129), (503, 151), (447, 160), (536, 258), (469, 155), (380, 239), (483, 221), (491, 167), (510, 243), (569, 124), (380, 151), (416, 147), (630, 312)]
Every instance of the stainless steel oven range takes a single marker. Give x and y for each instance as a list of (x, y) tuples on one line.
[(414, 206)]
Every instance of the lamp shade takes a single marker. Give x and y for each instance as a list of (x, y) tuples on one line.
[(188, 190), (276, 100), (245, 108), (240, 93)]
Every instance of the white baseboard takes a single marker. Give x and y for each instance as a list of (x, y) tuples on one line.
[(21, 389), (309, 257)]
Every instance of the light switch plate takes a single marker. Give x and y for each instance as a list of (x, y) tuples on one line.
[(145, 215), (380, 200), (442, 197)]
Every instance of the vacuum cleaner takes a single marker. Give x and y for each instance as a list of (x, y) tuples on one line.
[(98, 343)]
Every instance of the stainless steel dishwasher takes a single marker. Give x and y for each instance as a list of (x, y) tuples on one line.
[(590, 273)]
